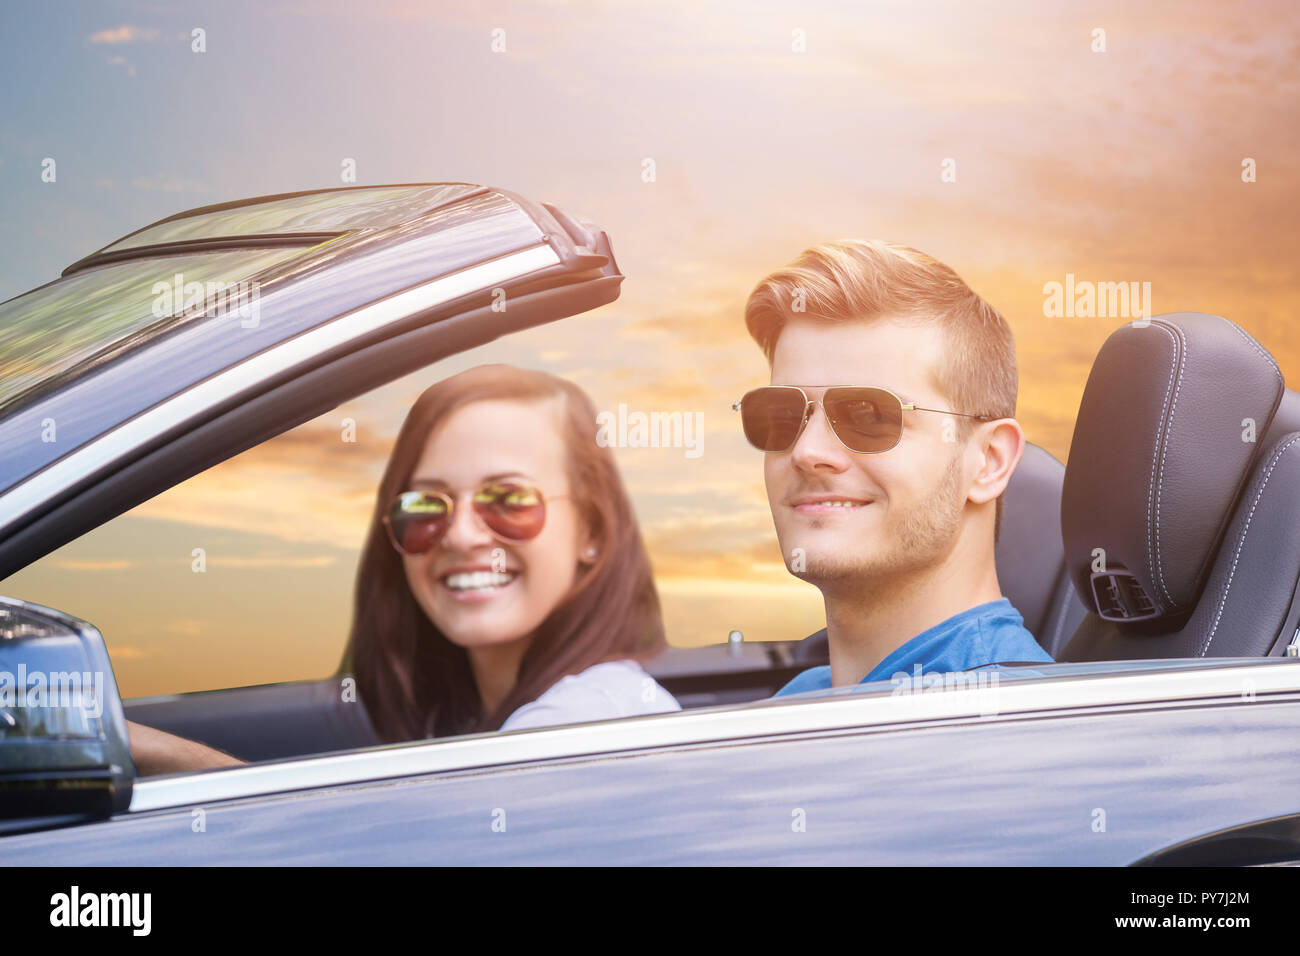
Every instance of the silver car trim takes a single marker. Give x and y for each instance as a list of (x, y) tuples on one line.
[(792, 716), (83, 462)]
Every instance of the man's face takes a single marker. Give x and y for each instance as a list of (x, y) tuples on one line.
[(906, 504)]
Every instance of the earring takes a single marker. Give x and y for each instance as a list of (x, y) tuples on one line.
[(591, 553)]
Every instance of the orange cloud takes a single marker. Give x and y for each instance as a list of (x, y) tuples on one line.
[(123, 34)]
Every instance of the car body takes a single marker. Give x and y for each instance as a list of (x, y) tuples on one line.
[(1174, 759)]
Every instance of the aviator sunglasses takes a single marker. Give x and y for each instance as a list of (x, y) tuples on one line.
[(866, 419), (417, 520)]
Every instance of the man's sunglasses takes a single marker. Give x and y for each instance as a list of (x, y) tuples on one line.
[(417, 520), (866, 419)]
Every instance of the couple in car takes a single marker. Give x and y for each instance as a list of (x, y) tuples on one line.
[(504, 582)]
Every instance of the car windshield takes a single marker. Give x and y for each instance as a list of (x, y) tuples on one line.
[(91, 315), (337, 211)]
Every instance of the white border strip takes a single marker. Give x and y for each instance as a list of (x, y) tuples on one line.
[(108, 447), (1015, 696)]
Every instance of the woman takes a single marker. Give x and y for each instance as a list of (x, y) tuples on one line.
[(503, 583), (531, 606)]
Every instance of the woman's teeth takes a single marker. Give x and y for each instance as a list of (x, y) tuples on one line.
[(478, 580)]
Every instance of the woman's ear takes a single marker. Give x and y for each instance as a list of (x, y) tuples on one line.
[(589, 548)]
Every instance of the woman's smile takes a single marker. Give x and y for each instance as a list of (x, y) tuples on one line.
[(477, 586)]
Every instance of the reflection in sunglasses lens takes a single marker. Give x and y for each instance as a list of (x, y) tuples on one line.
[(418, 520), (866, 419), (772, 417)]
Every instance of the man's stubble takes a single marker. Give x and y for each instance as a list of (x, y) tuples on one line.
[(910, 541)]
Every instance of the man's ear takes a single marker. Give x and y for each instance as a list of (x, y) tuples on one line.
[(1001, 444)]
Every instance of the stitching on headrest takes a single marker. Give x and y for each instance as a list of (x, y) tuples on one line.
[(1255, 345), (1160, 495), (1241, 539), (1153, 546)]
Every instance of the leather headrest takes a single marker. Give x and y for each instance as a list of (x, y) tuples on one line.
[(1172, 419)]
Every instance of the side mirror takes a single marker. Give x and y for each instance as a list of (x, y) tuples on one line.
[(65, 756)]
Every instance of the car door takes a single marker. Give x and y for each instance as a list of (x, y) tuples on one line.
[(1146, 764)]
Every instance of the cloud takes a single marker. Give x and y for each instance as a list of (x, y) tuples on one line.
[(319, 561), (708, 313), (122, 61), (124, 34), (731, 541), (92, 565), (306, 485)]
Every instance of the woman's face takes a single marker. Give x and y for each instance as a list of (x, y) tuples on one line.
[(480, 443)]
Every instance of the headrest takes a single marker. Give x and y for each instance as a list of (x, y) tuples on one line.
[(1172, 419)]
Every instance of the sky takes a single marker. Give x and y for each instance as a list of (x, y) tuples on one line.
[(1019, 143)]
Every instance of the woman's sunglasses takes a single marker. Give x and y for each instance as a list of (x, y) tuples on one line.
[(417, 520), (866, 419)]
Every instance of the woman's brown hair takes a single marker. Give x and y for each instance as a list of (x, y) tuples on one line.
[(414, 682)]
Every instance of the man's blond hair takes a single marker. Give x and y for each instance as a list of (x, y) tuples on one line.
[(870, 279)]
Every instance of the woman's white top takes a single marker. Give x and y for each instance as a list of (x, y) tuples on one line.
[(601, 692)]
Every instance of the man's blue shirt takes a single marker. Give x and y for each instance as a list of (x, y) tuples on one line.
[(981, 636)]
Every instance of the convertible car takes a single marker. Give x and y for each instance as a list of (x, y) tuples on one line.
[(1159, 569)]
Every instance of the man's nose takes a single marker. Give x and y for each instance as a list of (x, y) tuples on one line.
[(818, 446)]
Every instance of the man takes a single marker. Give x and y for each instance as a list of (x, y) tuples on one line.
[(886, 492)]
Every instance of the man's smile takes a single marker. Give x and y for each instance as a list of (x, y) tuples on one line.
[(828, 504)]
